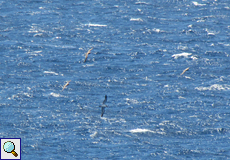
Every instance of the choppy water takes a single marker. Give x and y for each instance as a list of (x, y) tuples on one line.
[(140, 50)]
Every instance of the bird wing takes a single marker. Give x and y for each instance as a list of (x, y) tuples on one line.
[(86, 55), (67, 83), (184, 71), (102, 111), (105, 99)]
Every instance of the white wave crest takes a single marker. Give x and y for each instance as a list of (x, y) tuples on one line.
[(136, 19), (50, 72), (214, 87), (140, 130), (96, 25), (184, 54), (131, 101), (141, 3), (93, 135), (198, 4), (55, 94)]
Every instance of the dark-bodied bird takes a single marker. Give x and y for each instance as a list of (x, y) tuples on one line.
[(86, 55), (103, 106)]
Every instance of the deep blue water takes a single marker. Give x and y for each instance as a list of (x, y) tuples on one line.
[(140, 50)]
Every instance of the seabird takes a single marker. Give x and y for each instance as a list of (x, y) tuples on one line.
[(86, 55), (103, 106), (184, 71), (67, 83)]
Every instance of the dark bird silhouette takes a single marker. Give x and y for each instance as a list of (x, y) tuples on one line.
[(103, 106), (86, 55)]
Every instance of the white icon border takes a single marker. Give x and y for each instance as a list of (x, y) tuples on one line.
[(9, 156)]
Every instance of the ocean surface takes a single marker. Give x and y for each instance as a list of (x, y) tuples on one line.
[(140, 49)]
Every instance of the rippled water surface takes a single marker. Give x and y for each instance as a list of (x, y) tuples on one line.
[(140, 49)]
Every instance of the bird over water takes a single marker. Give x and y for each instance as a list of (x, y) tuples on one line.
[(103, 106), (67, 83), (86, 55)]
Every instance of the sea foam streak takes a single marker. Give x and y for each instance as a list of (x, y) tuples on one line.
[(140, 130), (184, 54), (55, 94), (214, 87), (96, 25), (198, 4), (50, 72), (136, 19)]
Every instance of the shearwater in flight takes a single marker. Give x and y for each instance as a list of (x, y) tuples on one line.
[(86, 55), (103, 106), (67, 83), (184, 71)]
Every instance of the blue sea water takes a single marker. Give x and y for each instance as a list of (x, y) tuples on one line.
[(140, 49)]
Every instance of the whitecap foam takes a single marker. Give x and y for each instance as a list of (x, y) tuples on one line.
[(198, 4), (96, 25), (28, 95), (212, 33), (93, 135), (50, 72), (188, 77), (157, 30), (131, 101), (184, 54), (141, 3), (55, 94), (214, 87), (136, 19), (88, 65), (193, 58), (140, 130), (35, 53)]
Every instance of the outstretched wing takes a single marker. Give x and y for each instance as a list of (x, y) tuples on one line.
[(67, 83), (184, 71), (102, 111), (105, 99), (86, 55)]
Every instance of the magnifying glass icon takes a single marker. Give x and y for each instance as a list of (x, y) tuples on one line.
[(9, 147)]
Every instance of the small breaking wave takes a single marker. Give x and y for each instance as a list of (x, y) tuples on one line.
[(50, 72), (214, 87), (184, 54), (141, 3), (131, 101), (96, 25), (93, 134), (140, 130), (198, 4), (136, 19), (55, 94)]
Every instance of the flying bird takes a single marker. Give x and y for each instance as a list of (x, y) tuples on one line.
[(86, 55), (103, 106), (184, 71), (67, 83)]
